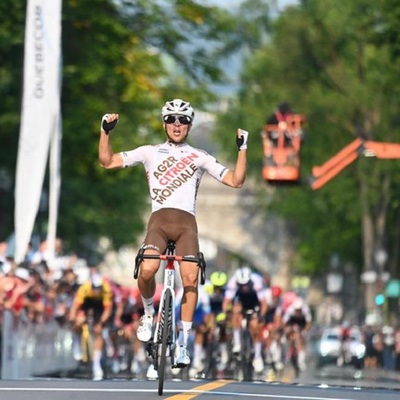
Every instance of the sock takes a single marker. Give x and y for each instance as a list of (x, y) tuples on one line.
[(257, 349), (224, 353), (148, 306), (140, 355), (236, 337), (97, 358), (186, 329), (198, 354)]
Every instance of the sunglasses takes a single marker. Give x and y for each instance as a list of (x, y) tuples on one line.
[(183, 119)]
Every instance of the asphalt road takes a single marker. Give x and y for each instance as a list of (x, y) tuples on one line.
[(329, 382), (67, 389)]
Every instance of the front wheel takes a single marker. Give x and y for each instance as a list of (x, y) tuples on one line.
[(165, 339)]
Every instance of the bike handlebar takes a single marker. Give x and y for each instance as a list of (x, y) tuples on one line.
[(171, 257)]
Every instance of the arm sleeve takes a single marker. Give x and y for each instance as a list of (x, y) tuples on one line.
[(214, 168), (136, 156)]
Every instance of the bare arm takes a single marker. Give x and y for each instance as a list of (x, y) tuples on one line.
[(235, 178), (106, 313), (107, 158)]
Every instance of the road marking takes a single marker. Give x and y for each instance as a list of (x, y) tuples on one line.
[(189, 392), (199, 390), (272, 396)]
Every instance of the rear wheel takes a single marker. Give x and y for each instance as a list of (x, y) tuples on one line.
[(165, 339), (210, 369), (294, 359)]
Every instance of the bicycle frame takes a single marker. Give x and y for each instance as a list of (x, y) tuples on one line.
[(245, 368), (164, 336)]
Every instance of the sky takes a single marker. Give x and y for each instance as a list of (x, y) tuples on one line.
[(235, 61)]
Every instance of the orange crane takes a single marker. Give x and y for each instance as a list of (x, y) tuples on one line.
[(327, 171)]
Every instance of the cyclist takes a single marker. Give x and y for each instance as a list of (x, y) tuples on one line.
[(345, 343), (127, 319), (218, 319), (94, 298), (272, 332), (242, 293), (111, 336), (216, 289), (200, 323), (297, 322), (174, 170)]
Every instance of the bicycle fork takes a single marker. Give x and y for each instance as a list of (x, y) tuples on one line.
[(166, 315)]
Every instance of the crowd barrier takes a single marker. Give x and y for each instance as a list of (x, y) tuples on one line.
[(29, 349)]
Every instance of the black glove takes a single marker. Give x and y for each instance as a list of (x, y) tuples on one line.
[(241, 140), (107, 126)]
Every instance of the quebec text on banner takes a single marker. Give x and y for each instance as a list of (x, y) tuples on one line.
[(39, 115)]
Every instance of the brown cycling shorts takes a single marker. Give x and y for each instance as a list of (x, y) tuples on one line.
[(172, 224)]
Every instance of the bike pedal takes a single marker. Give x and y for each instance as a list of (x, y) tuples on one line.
[(179, 365), (150, 349)]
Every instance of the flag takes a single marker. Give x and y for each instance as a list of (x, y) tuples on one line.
[(40, 114)]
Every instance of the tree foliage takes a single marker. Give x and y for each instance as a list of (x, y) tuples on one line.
[(126, 56), (337, 63)]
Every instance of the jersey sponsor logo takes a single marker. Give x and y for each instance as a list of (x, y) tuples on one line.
[(172, 173)]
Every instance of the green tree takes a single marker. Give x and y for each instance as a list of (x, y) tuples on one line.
[(11, 45), (325, 58), (118, 56)]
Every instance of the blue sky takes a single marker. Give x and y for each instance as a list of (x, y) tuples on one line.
[(235, 60)]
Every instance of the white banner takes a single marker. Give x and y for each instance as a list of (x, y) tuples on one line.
[(40, 113), (55, 184)]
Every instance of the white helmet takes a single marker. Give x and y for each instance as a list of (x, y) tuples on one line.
[(298, 303), (177, 107), (243, 276)]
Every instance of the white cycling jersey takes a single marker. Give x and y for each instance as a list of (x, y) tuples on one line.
[(290, 313), (174, 172), (232, 286)]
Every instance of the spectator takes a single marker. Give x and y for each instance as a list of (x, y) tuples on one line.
[(279, 118), (13, 289), (388, 349), (397, 349)]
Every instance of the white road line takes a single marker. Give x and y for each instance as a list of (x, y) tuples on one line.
[(234, 394)]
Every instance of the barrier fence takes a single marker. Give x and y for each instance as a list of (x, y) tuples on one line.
[(34, 349)]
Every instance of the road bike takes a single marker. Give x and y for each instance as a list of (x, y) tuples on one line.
[(163, 342), (243, 367), (216, 349), (87, 344), (87, 341), (293, 339)]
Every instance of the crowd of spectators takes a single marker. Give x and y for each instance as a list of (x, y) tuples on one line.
[(382, 347), (35, 291), (38, 292)]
